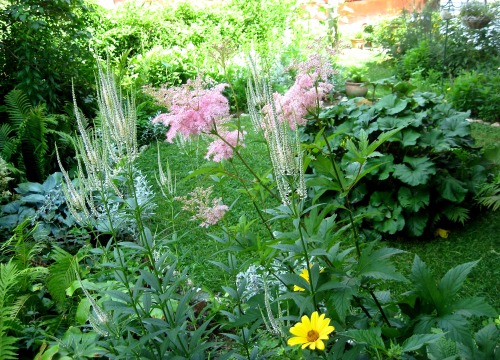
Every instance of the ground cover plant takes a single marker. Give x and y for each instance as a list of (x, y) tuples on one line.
[(248, 236)]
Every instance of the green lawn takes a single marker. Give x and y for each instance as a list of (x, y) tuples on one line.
[(478, 239)]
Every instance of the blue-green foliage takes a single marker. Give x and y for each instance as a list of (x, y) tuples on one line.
[(422, 177), (44, 203)]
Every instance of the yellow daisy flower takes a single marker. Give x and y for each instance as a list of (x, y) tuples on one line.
[(305, 275), (311, 332)]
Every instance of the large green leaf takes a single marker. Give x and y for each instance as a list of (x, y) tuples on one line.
[(342, 295), (425, 285), (453, 280), (382, 166), (416, 341), (376, 264), (455, 126), (414, 171), (371, 337), (452, 189), (474, 307), (434, 139), (415, 223), (414, 198)]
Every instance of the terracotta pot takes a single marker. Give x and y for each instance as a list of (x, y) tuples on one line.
[(353, 89), (358, 43)]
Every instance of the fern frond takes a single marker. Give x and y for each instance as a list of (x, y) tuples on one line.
[(456, 214), (8, 280), (489, 195), (18, 107), (61, 274), (8, 143), (7, 349)]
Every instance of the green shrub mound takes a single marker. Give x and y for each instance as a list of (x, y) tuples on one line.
[(479, 92), (423, 177)]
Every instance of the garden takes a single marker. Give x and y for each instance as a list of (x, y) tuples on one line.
[(200, 182)]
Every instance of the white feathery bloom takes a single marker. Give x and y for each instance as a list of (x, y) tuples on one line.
[(283, 142)]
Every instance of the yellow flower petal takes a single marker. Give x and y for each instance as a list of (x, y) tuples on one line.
[(311, 332)]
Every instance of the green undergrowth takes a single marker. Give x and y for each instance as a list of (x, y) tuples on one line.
[(195, 247), (478, 239)]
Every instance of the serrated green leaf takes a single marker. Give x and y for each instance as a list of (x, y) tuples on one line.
[(413, 199), (452, 189), (342, 295), (416, 341), (371, 337), (456, 326), (453, 280), (425, 285), (415, 223), (488, 339), (414, 171), (377, 265), (474, 307)]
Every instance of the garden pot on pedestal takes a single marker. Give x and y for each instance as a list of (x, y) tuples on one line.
[(353, 89), (358, 43)]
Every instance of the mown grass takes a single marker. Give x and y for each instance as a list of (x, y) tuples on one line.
[(195, 246), (477, 240)]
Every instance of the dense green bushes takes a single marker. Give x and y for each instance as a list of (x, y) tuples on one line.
[(479, 92), (423, 177), (44, 48)]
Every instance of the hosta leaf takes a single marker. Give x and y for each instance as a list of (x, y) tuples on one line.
[(414, 171), (452, 189), (413, 199), (453, 280)]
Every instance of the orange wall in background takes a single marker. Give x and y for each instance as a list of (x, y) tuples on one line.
[(369, 10)]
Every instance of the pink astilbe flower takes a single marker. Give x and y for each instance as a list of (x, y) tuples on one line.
[(210, 212), (307, 93), (220, 149), (193, 108)]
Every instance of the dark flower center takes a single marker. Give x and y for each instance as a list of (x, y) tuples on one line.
[(312, 336)]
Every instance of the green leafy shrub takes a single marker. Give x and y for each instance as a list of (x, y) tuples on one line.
[(424, 57), (400, 34), (44, 48), (30, 136), (424, 174), (479, 93)]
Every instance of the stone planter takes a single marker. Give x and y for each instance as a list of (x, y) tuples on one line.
[(353, 89), (358, 43)]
